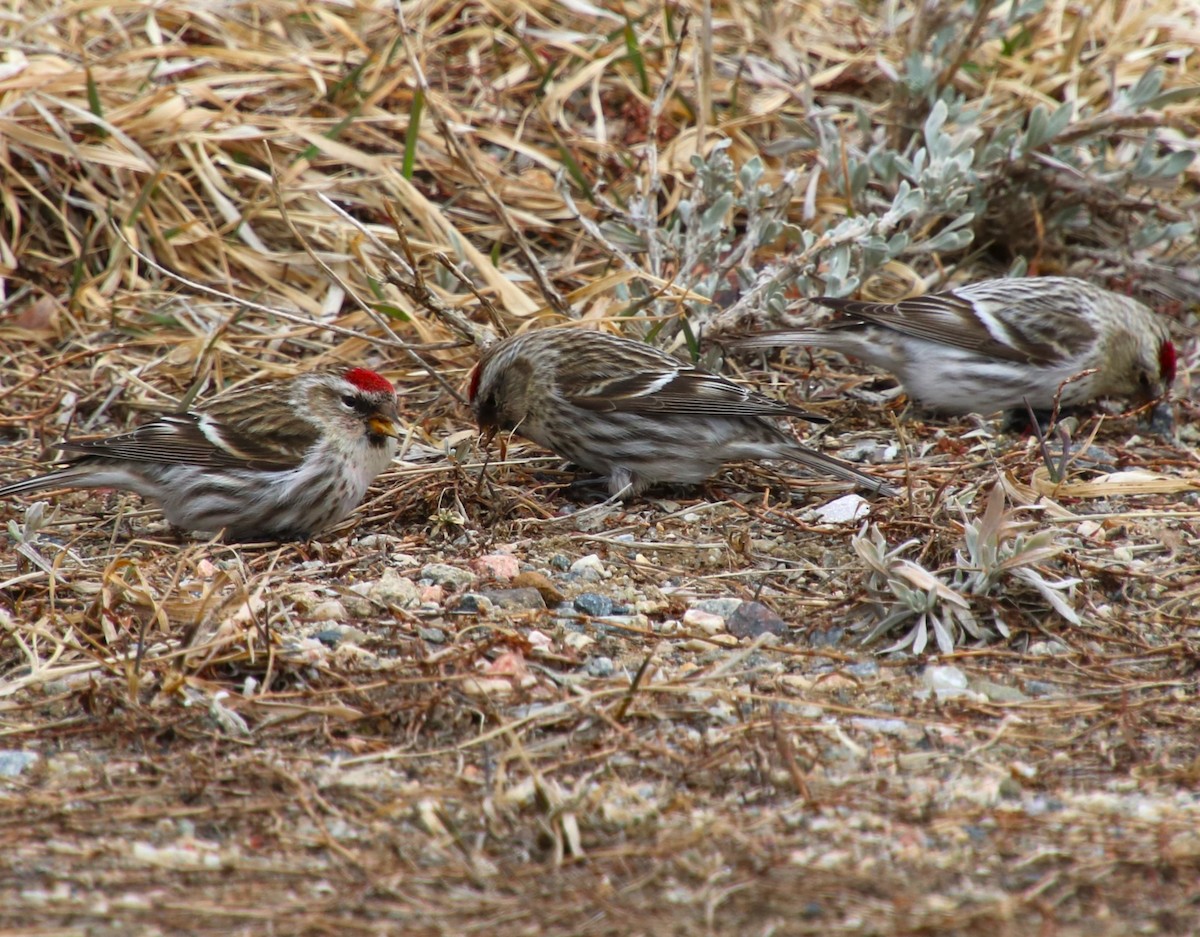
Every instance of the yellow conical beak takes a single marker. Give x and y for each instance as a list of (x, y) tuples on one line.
[(381, 425)]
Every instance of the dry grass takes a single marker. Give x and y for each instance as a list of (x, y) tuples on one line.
[(206, 765)]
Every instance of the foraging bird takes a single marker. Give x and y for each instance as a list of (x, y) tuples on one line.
[(278, 461), (996, 344), (633, 413)]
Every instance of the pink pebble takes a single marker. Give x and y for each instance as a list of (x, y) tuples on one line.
[(500, 566)]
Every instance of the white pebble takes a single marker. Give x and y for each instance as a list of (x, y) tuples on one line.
[(589, 567), (704, 621), (842, 510)]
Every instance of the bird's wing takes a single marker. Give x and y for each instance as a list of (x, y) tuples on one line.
[(1008, 321), (670, 387), (192, 439)]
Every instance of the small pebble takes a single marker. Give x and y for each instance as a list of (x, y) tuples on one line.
[(432, 635), (570, 624), (629, 622), (473, 602), (701, 645), (487, 686), (394, 591), (577, 640), (844, 510), (15, 762), (1048, 649), (381, 542), (327, 610), (600, 667), (356, 605), (703, 621), (536, 580), (752, 619), (723, 606), (329, 636), (502, 566), (1009, 789), (944, 678), (514, 599), (588, 568), (445, 575), (864, 669), (944, 682), (590, 603), (998, 692), (830, 637)]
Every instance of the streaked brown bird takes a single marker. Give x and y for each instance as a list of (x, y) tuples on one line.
[(278, 461), (633, 413), (995, 344)]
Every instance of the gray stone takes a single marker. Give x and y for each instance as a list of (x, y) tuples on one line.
[(750, 619), (392, 590), (600, 667), (830, 637), (590, 603), (442, 574), (525, 599), (473, 602), (724, 607)]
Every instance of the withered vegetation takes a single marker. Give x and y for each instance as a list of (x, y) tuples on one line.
[(325, 738)]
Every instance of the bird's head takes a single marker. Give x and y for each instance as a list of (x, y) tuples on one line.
[(1153, 369), (355, 403), (498, 389)]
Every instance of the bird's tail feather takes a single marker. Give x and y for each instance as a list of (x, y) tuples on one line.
[(777, 338), (68, 477), (827, 465)]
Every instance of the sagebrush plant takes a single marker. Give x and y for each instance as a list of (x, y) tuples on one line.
[(919, 179), (995, 576)]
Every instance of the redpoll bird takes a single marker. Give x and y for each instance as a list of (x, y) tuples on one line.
[(278, 462), (995, 344), (631, 412)]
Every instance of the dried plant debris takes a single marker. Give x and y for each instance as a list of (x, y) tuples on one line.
[(487, 700)]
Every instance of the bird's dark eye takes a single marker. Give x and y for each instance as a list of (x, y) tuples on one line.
[(350, 401)]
